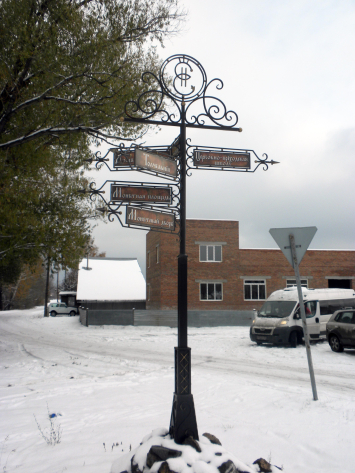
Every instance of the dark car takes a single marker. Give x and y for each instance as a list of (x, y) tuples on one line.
[(341, 330)]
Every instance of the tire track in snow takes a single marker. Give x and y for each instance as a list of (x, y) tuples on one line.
[(96, 352)]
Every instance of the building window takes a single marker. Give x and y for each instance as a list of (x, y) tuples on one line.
[(211, 253), (148, 292), (211, 291), (292, 282), (254, 289), (339, 283), (157, 254), (148, 259)]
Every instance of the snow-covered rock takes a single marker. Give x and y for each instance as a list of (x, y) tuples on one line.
[(158, 453)]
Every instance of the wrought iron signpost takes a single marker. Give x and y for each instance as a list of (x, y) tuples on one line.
[(182, 86)]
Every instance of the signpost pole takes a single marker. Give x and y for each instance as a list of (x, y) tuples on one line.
[(182, 258), (183, 422), (303, 316)]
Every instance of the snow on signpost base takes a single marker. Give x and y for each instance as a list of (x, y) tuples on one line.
[(158, 453)]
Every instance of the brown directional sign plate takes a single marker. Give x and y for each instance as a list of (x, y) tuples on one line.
[(150, 218), (123, 159), (156, 195), (154, 162), (225, 159)]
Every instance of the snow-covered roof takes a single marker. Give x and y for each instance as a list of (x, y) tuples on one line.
[(110, 279)]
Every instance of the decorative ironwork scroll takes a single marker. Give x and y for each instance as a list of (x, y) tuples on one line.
[(181, 80)]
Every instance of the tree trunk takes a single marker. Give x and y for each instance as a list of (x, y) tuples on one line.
[(47, 288), (12, 295)]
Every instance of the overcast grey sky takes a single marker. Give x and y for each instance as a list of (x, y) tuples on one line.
[(289, 72)]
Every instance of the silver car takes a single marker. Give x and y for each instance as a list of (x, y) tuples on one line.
[(60, 308), (341, 330)]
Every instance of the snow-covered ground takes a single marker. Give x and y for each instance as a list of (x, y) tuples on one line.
[(111, 386)]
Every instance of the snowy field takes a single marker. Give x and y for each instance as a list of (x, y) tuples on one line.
[(111, 386)]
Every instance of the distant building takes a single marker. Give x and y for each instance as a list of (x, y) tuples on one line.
[(109, 288), (221, 276), (69, 297)]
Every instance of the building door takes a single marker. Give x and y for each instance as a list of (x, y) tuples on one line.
[(339, 283)]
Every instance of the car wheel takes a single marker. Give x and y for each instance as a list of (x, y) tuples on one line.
[(335, 344), (293, 339), (53, 313), (72, 313), (259, 343)]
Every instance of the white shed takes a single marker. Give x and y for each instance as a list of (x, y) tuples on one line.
[(111, 283)]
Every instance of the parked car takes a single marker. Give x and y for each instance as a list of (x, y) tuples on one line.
[(279, 320), (60, 308), (341, 330)]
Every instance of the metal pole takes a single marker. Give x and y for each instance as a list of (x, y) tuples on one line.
[(183, 418), (47, 289), (303, 316), (182, 259)]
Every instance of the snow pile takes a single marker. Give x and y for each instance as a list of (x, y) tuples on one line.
[(158, 453)]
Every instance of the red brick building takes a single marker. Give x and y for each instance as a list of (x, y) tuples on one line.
[(221, 276)]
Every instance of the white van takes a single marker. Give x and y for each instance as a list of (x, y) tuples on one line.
[(279, 319)]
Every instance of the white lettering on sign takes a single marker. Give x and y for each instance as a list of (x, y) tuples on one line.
[(155, 162), (117, 194), (141, 194), (163, 198), (228, 158), (156, 219), (222, 159), (156, 166)]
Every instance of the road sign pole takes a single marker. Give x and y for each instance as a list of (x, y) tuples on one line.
[(303, 316)]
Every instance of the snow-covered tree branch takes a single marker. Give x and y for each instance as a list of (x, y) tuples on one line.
[(70, 66)]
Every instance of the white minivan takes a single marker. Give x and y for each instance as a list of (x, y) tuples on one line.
[(279, 319)]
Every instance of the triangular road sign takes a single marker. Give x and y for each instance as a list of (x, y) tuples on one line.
[(303, 237)]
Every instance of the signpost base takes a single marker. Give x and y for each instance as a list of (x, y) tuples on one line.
[(183, 418)]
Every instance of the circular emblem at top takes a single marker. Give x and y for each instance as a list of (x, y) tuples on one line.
[(183, 77)]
